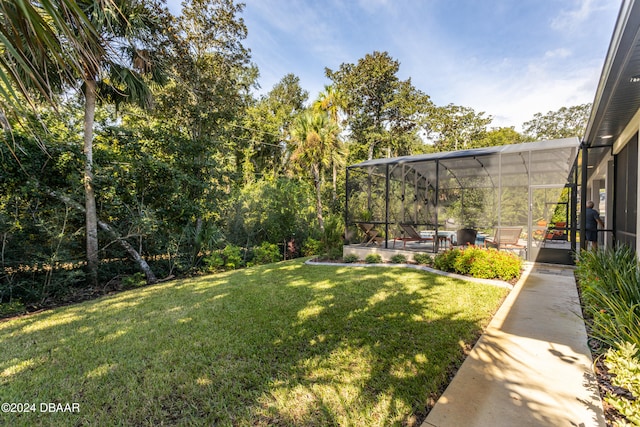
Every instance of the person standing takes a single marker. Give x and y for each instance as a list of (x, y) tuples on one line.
[(591, 225)]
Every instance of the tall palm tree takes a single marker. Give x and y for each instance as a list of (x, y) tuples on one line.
[(333, 102), (314, 137), (125, 29)]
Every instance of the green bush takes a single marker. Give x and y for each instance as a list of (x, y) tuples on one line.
[(373, 259), (311, 247), (134, 280), (423, 259), (232, 255), (214, 262), (332, 240), (445, 261), (625, 367), (230, 258), (398, 259), (11, 308), (350, 258), (610, 284), (266, 253), (480, 263), (506, 266)]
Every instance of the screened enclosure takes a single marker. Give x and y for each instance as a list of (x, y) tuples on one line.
[(428, 201)]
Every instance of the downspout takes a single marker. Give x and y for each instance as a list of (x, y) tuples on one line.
[(574, 206), (583, 195)]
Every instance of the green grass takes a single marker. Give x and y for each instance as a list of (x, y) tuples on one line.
[(280, 344)]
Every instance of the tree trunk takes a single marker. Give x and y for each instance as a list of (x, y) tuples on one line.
[(142, 264), (316, 179), (370, 153), (148, 273), (91, 215), (335, 183)]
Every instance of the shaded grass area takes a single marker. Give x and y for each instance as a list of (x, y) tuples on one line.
[(281, 344)]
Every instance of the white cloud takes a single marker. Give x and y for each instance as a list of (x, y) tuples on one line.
[(558, 53), (580, 12)]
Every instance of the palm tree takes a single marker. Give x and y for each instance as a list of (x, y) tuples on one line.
[(314, 137), (102, 43), (41, 44), (117, 76), (333, 102)]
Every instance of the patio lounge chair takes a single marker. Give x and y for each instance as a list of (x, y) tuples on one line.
[(410, 234), (505, 238), (371, 235)]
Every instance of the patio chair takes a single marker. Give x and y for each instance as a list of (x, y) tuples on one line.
[(410, 234), (466, 236), (371, 235), (505, 238)]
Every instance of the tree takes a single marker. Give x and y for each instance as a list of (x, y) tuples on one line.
[(564, 123), (333, 102), (454, 127), (128, 35), (314, 137), (107, 44), (500, 136), (266, 126), (203, 104), (382, 111)]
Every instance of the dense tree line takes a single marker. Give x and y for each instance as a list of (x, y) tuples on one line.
[(132, 134)]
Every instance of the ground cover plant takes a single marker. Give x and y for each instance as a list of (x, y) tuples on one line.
[(278, 344)]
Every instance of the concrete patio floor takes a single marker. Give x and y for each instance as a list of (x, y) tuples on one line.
[(532, 366)]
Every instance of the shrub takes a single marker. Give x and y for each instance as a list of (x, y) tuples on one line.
[(332, 240), (11, 308), (134, 280), (610, 284), (266, 253), (311, 247), (625, 366), (466, 258), (232, 257), (423, 259), (350, 258), (214, 261), (506, 266), (373, 259), (445, 260), (229, 258), (480, 263), (399, 259)]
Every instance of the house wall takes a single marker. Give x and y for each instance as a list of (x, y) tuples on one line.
[(631, 130)]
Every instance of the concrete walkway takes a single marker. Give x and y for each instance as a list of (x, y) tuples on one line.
[(532, 366)]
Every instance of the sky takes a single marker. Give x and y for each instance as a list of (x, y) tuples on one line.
[(508, 58)]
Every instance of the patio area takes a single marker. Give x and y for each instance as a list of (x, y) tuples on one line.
[(522, 198)]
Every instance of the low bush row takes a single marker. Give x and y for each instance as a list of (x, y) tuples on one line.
[(472, 261), (480, 262)]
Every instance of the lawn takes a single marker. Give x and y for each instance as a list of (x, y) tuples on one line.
[(281, 344)]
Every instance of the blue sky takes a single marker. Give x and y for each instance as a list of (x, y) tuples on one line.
[(508, 58)]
